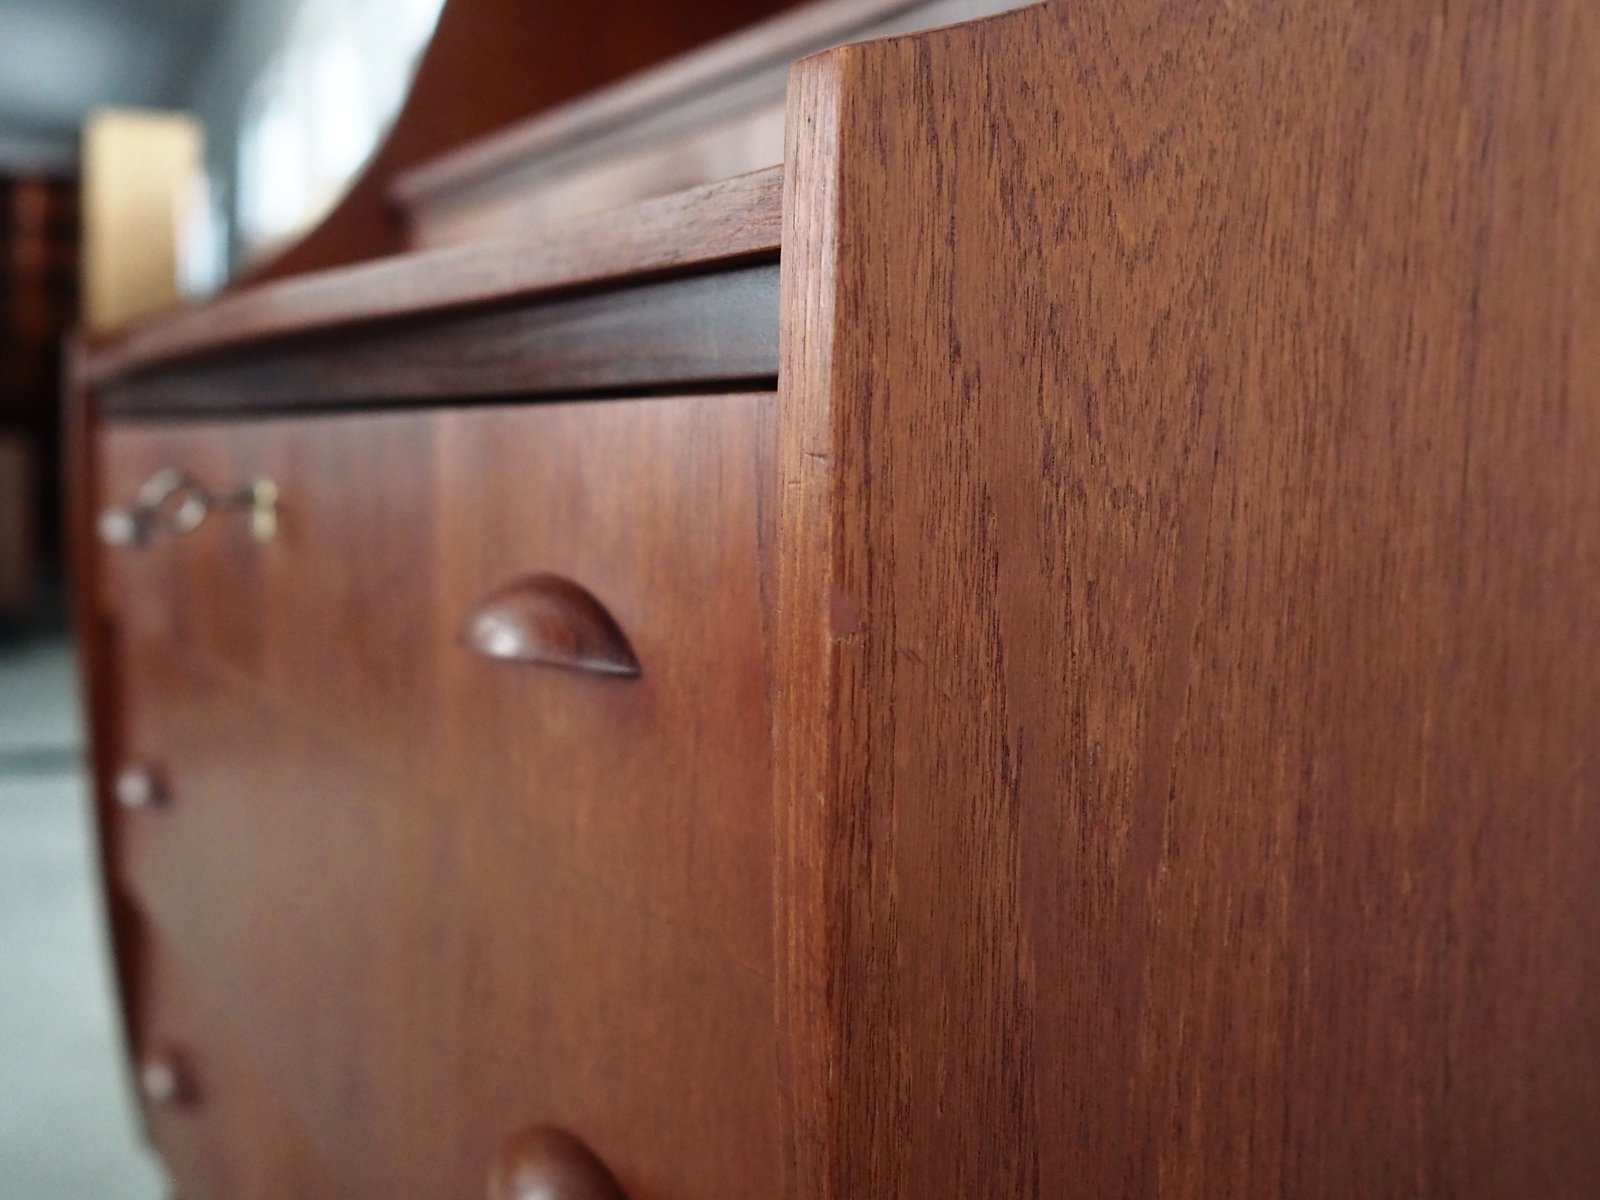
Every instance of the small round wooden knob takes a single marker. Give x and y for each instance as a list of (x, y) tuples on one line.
[(139, 787), (164, 1080), (544, 1163)]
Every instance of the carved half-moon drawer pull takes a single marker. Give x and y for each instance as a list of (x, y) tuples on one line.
[(550, 620), (544, 1163), (173, 502)]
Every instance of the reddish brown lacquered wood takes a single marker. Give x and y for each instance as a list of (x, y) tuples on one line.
[(95, 645), (543, 1163), (220, 1127), (549, 621), (439, 898), (491, 62), (736, 219), (651, 505), (661, 93), (701, 117), (699, 331), (412, 979), (1188, 689)]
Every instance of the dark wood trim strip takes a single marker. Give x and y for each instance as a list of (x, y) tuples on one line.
[(736, 219), (696, 330)]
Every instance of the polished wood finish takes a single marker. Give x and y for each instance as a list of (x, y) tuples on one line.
[(488, 64), (706, 330), (553, 621), (95, 645), (231, 1136), (543, 1163), (1119, 721), (733, 220), (659, 93), (1188, 680), (701, 117), (435, 898), (744, 144)]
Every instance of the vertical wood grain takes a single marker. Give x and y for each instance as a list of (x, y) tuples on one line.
[(817, 867), (425, 899), (232, 1135), (1188, 681)]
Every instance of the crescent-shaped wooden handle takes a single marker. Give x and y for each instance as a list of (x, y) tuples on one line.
[(545, 1163), (550, 620)]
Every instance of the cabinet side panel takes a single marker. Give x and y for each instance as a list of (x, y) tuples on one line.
[(95, 633), (1188, 684)]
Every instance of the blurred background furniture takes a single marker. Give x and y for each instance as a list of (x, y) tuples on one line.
[(269, 130), (138, 170), (17, 534), (38, 304)]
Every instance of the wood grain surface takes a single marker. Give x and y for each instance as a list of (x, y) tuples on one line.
[(700, 117), (1188, 674), (96, 661), (637, 104), (735, 219), (706, 331), (488, 64), (431, 899), (231, 1134), (1158, 605)]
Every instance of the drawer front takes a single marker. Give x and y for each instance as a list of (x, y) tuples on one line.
[(219, 1126), (444, 893)]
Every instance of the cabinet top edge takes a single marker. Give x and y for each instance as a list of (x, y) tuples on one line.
[(734, 220), (770, 44)]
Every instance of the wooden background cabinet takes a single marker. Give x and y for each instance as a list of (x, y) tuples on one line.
[(38, 300)]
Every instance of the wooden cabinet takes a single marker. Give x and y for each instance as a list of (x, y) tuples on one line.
[(1044, 646), (218, 1122), (477, 892)]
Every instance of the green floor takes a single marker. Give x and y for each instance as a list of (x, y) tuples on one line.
[(66, 1130)]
